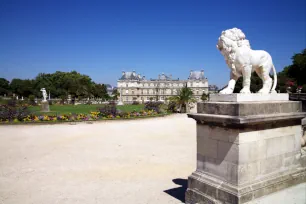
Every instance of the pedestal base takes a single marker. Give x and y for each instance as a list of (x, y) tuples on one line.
[(248, 97), (205, 189), (246, 151), (45, 106)]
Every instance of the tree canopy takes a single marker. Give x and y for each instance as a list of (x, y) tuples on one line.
[(184, 98), (60, 85), (294, 75)]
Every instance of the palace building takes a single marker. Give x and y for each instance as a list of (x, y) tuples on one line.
[(134, 87)]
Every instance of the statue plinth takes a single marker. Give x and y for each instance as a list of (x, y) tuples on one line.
[(253, 97), (246, 150), (45, 106)]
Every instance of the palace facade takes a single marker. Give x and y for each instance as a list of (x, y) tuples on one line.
[(134, 87)]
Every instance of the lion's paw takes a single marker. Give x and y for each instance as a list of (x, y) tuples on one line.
[(245, 91), (264, 91), (226, 91)]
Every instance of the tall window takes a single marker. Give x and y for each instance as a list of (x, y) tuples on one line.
[(133, 92)]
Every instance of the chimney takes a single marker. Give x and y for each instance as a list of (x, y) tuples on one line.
[(143, 77), (123, 73), (159, 76), (202, 73), (139, 76), (170, 76), (134, 72)]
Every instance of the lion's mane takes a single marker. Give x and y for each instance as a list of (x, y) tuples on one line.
[(228, 41)]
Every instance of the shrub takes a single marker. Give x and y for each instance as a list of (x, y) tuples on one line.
[(304, 88), (123, 114), (172, 107), (32, 100), (153, 105), (108, 110), (10, 113), (113, 103), (12, 102), (205, 97), (163, 108), (135, 103)]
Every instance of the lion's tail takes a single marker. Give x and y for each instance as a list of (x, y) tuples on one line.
[(275, 80)]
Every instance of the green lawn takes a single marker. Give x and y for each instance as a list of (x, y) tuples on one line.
[(66, 109)]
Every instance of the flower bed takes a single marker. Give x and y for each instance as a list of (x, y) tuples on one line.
[(92, 116), (21, 114)]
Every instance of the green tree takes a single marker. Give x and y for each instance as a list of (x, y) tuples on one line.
[(100, 91), (184, 99), (204, 97), (297, 70), (293, 74), (115, 94), (4, 86), (256, 84)]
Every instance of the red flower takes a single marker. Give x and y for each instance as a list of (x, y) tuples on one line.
[(290, 83)]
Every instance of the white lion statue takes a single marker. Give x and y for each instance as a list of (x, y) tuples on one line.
[(242, 61)]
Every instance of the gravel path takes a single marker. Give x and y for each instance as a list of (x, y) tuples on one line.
[(139, 161)]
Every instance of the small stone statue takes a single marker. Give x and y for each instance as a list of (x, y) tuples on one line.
[(44, 93), (242, 61)]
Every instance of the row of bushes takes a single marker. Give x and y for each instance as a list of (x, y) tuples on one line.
[(13, 112), (78, 117), (16, 112), (155, 106), (22, 113)]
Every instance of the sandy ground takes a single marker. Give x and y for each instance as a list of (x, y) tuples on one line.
[(140, 161)]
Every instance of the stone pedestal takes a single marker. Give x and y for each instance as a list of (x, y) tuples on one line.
[(246, 150), (45, 106)]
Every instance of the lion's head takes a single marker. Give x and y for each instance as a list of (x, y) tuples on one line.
[(229, 40)]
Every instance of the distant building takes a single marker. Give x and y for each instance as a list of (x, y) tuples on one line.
[(109, 89), (212, 89), (134, 87)]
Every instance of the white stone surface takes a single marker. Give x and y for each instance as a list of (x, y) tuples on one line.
[(254, 154), (248, 97), (242, 61)]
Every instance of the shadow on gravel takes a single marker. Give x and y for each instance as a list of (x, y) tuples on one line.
[(178, 193)]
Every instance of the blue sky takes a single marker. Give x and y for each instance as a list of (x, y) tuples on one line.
[(103, 38)]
